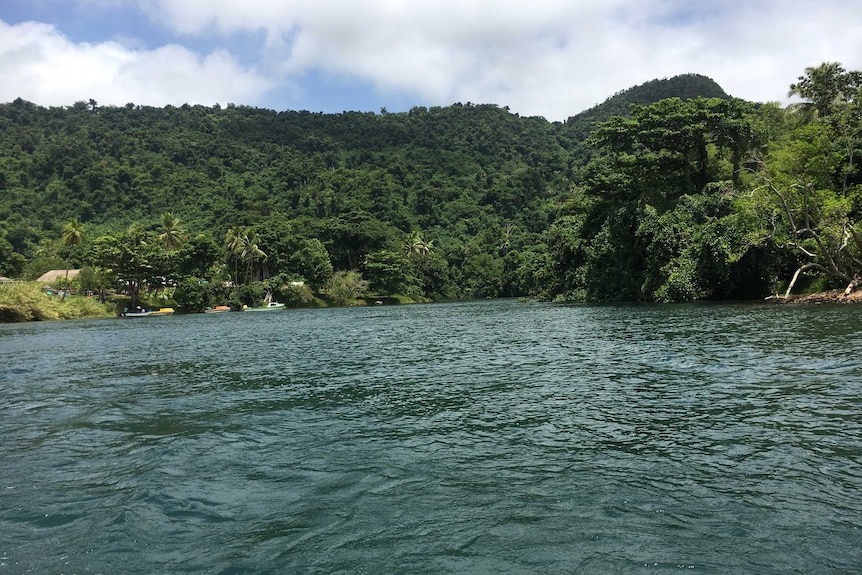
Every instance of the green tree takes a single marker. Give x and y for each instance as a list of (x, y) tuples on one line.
[(171, 233), (807, 193), (12, 263), (47, 249), (826, 88), (627, 232), (234, 240), (415, 246), (311, 262), (38, 266), (95, 279), (249, 294), (432, 275), (345, 287), (817, 221), (74, 235), (135, 256), (199, 257), (355, 234), (190, 295), (251, 253), (485, 273), (388, 273)]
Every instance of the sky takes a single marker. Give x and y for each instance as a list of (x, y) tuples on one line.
[(550, 58)]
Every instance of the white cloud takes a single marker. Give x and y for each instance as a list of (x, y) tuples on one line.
[(39, 64), (546, 57), (528, 54)]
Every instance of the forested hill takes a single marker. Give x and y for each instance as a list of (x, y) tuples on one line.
[(457, 172), (496, 203), (683, 86), (460, 172)]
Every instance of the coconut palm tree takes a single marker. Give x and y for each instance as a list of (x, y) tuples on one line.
[(251, 252), (73, 235), (134, 258), (234, 240), (825, 88), (416, 246), (427, 247), (47, 249), (172, 236)]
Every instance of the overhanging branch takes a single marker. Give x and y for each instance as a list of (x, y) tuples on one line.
[(806, 267)]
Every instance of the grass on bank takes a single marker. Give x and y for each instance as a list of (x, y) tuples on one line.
[(28, 301)]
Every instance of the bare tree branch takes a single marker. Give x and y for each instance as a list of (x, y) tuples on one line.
[(806, 267), (803, 250)]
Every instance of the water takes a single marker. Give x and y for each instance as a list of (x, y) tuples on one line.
[(487, 437)]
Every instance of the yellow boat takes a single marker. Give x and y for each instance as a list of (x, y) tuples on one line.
[(163, 311)]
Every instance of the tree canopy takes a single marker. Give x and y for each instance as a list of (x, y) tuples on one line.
[(669, 191)]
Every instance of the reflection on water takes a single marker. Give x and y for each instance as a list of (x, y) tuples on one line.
[(474, 437)]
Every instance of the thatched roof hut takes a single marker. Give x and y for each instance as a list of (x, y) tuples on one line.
[(52, 275)]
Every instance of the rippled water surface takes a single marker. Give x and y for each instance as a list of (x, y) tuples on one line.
[(488, 437)]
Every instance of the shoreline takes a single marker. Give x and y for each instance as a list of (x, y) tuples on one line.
[(832, 296)]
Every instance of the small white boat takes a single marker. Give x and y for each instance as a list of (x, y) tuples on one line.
[(270, 306), (135, 314)]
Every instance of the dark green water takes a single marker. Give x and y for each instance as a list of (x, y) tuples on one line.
[(489, 437)]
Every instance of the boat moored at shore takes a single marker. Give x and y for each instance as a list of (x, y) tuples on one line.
[(269, 306)]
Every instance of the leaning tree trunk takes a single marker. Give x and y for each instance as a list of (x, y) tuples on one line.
[(65, 291), (854, 282)]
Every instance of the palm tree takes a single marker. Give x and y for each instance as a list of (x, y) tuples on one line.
[(234, 240), (136, 240), (416, 246), (251, 252), (825, 87), (173, 236), (73, 234), (427, 247), (47, 249)]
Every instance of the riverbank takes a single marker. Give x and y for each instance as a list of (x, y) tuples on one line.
[(834, 296), (28, 301)]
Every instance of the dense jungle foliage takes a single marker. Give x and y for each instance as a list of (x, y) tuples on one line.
[(670, 191)]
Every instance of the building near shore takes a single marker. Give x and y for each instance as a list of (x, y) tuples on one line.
[(52, 275)]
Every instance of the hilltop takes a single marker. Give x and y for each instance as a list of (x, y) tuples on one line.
[(683, 86)]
